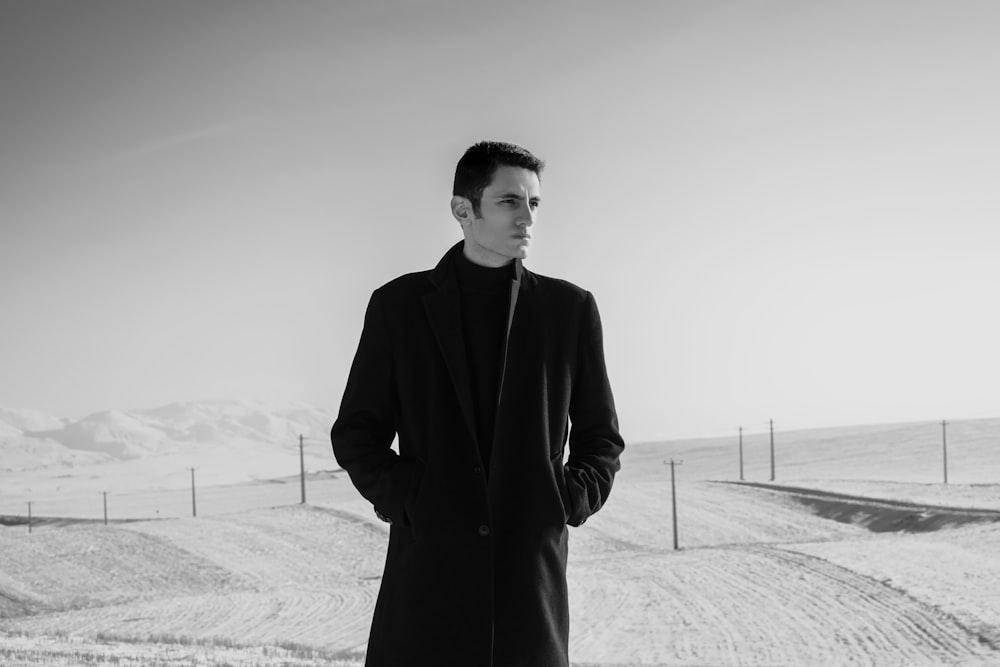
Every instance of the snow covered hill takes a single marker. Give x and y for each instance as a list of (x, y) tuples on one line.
[(28, 419), (24, 445), (33, 440)]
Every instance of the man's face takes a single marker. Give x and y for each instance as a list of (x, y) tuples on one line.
[(501, 232)]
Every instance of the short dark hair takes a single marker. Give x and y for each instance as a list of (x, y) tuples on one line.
[(480, 162)]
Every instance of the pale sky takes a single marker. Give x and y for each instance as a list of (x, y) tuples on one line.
[(785, 210)]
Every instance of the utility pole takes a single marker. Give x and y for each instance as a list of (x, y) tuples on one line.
[(772, 450), (29, 516), (673, 498), (302, 467), (194, 505), (944, 447), (105, 493), (741, 453)]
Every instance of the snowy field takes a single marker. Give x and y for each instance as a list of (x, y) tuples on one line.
[(759, 579)]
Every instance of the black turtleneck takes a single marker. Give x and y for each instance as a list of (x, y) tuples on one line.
[(485, 299)]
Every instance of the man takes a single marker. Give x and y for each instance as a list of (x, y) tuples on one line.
[(483, 369)]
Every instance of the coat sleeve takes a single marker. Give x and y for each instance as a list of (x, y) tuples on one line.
[(595, 444), (364, 430)]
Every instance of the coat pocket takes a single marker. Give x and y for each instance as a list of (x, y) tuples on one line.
[(559, 472), (414, 498)]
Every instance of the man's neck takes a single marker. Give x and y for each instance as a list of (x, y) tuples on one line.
[(489, 260)]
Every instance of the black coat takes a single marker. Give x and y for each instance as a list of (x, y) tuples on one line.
[(475, 572)]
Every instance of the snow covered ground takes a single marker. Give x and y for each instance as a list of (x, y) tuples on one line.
[(760, 579), (143, 458)]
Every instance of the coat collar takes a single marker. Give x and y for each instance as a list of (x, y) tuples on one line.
[(445, 269), (443, 312)]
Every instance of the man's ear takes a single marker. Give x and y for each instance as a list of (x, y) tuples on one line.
[(461, 209)]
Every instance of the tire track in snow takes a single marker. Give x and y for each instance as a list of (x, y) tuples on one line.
[(292, 574), (754, 606), (919, 623), (246, 617), (88, 566), (338, 619), (956, 575), (313, 569)]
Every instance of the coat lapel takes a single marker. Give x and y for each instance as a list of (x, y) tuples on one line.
[(443, 311)]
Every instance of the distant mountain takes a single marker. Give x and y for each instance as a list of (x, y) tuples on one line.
[(30, 439), (8, 431), (28, 419), (118, 434), (23, 447), (206, 421), (21, 452)]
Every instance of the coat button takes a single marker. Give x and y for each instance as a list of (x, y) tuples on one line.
[(477, 469), (484, 530)]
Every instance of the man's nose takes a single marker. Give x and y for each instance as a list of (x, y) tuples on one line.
[(526, 216)]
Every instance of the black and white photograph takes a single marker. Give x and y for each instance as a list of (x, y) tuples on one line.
[(450, 333)]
